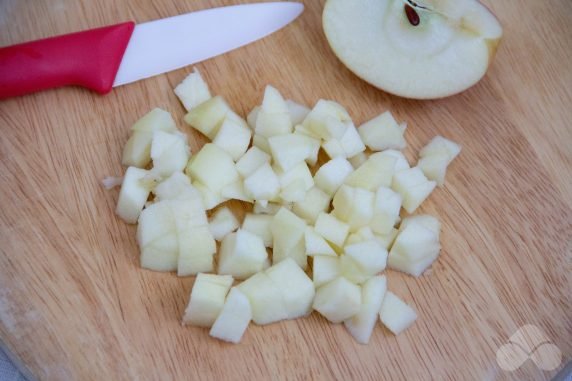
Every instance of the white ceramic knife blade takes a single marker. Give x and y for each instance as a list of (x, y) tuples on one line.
[(171, 43)]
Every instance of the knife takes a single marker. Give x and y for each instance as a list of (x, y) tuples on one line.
[(102, 58)]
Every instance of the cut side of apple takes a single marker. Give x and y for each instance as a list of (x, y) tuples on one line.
[(242, 254), (233, 319), (413, 186), (253, 159), (169, 152), (207, 299), (332, 229), (133, 195), (265, 298), (233, 136), (436, 156), (325, 269), (222, 223), (437, 55), (383, 132), (298, 112), (354, 206), (377, 171), (395, 314), (193, 90), (316, 245), (208, 116), (361, 324), (288, 233), (332, 175), (338, 300), (213, 167)]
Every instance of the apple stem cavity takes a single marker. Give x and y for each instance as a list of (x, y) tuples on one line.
[(412, 15)]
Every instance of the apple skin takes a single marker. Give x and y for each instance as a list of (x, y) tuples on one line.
[(394, 61)]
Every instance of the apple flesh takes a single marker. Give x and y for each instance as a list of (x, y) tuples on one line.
[(133, 195), (207, 299), (222, 223), (436, 156), (361, 325), (338, 300), (447, 51), (233, 319), (193, 90), (395, 314), (242, 254), (383, 132), (259, 224)]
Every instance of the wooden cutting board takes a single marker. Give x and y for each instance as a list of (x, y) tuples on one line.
[(75, 305)]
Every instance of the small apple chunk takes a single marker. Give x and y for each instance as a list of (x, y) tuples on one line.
[(395, 314), (332, 175), (326, 120), (297, 111), (401, 162), (351, 141), (169, 152), (361, 325), (288, 233), (133, 195), (222, 222), (210, 198), (137, 150), (355, 206), (325, 269), (316, 245), (208, 116), (315, 201), (383, 132), (421, 51), (233, 136), (268, 208), (207, 299), (193, 90), (413, 186), (236, 191), (369, 256), (265, 298), (436, 156), (386, 211), (253, 159), (259, 224), (233, 319), (262, 184), (338, 300), (176, 187), (291, 149), (213, 167), (274, 116), (375, 172), (296, 287), (242, 254), (332, 229)]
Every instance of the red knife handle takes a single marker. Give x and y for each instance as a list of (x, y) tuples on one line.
[(89, 59)]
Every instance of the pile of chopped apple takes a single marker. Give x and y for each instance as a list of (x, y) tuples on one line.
[(317, 238)]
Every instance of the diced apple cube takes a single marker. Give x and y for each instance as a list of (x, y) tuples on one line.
[(253, 159), (155, 222), (207, 299), (361, 325), (398, 262), (296, 288), (354, 206), (133, 195), (222, 222), (386, 240), (272, 124), (370, 256), (236, 191), (332, 175), (208, 116), (413, 186), (326, 120), (193, 90), (338, 300), (325, 269), (300, 129), (351, 141), (161, 254), (401, 162), (213, 167), (268, 208), (357, 160), (395, 314), (273, 102), (233, 136), (196, 250), (383, 132), (291, 149), (416, 241), (439, 144), (334, 149), (234, 317), (332, 229), (265, 298), (315, 202), (316, 245), (294, 191), (242, 254), (137, 150), (436, 156), (299, 172), (210, 198), (297, 111), (169, 152), (375, 172), (262, 184), (252, 116), (386, 210), (427, 221), (176, 187), (261, 143), (259, 224), (353, 272), (288, 234)]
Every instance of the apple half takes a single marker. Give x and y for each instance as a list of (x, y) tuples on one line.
[(419, 49)]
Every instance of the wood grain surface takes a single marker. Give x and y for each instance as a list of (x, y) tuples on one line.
[(74, 304)]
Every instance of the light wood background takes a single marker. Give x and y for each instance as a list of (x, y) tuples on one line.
[(75, 305)]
